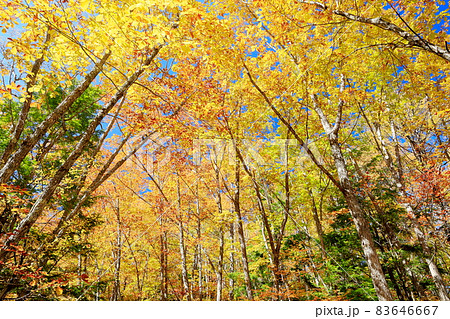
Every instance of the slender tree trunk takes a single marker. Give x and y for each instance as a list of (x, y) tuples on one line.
[(240, 233), (344, 185), (434, 271), (13, 162), (199, 249), (184, 271), (418, 288), (398, 176), (267, 233), (219, 296), (314, 273), (28, 144), (219, 271), (163, 261), (21, 121), (117, 257), (317, 223), (79, 269), (349, 193), (139, 281), (232, 263), (239, 223), (207, 292), (166, 265), (363, 229), (200, 274), (79, 199), (391, 238)]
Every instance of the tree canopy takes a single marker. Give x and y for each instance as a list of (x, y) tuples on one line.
[(224, 150)]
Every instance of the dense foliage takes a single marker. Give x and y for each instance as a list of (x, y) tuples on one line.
[(224, 150)]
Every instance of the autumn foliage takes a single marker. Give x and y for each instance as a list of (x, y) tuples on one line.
[(224, 150)]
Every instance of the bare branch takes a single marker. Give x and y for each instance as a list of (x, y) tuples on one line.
[(320, 5)]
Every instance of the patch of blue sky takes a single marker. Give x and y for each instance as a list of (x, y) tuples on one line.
[(146, 190), (253, 54), (438, 77), (413, 58), (401, 139), (443, 8), (399, 69), (223, 16), (289, 171), (269, 44), (168, 65), (116, 130), (276, 67), (11, 33), (275, 122)]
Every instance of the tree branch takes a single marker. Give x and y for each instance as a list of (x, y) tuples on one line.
[(413, 39), (291, 129)]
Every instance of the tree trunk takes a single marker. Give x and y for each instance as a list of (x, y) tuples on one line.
[(117, 257), (240, 232), (317, 223), (28, 144), (21, 121), (14, 161), (184, 271), (348, 191), (232, 263), (434, 271), (197, 264), (219, 296), (344, 185), (163, 261)]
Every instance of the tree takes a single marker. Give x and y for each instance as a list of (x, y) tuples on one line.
[(332, 117)]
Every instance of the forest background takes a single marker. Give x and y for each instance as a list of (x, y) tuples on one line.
[(224, 150)]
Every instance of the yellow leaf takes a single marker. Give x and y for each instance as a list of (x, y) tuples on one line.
[(185, 49), (36, 105), (84, 4), (134, 6), (59, 291)]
